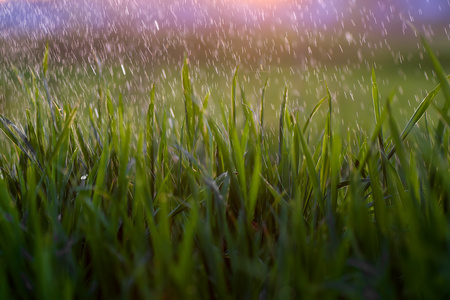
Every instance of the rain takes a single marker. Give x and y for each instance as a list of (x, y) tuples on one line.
[(303, 45), (224, 149)]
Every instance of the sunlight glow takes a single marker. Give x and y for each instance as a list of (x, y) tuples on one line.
[(259, 2)]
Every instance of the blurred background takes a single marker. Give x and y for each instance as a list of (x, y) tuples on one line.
[(304, 45)]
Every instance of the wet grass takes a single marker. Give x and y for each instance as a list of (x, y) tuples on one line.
[(98, 205)]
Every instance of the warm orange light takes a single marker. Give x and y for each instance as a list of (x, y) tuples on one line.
[(260, 2)]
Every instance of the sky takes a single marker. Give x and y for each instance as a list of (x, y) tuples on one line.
[(50, 15)]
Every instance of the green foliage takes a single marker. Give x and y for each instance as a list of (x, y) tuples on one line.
[(99, 206)]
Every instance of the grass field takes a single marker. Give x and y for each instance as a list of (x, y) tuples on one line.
[(258, 200), (130, 68)]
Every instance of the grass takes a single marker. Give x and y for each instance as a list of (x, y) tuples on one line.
[(101, 206)]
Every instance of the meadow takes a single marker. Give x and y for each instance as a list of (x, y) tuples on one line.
[(255, 199)]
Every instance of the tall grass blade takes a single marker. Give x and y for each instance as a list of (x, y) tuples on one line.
[(375, 97), (188, 101), (239, 163), (418, 113), (443, 78), (63, 135), (313, 112), (254, 184), (311, 167), (281, 130), (20, 141), (377, 112), (233, 97), (150, 138), (101, 174), (45, 60), (262, 108)]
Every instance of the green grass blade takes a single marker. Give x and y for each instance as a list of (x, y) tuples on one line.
[(239, 163), (443, 78), (20, 141), (281, 126), (418, 113), (233, 97), (262, 108), (101, 174), (313, 112), (45, 60), (254, 184), (63, 135), (84, 146), (335, 165), (150, 138), (397, 143), (188, 102), (375, 97), (50, 104), (311, 167)]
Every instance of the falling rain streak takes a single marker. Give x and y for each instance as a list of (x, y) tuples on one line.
[(304, 45)]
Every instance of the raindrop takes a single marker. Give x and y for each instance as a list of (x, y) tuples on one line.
[(349, 37)]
